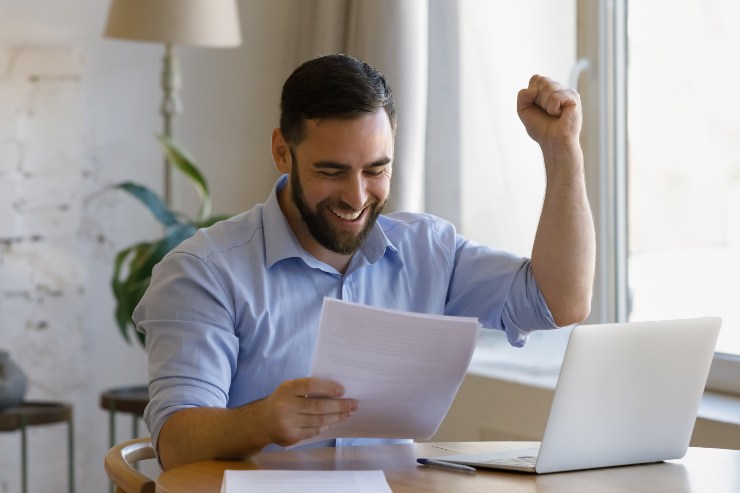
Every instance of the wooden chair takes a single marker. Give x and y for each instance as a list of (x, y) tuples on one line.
[(119, 467)]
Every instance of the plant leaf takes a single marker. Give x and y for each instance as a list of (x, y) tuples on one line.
[(122, 311), (138, 262), (142, 265), (152, 202), (133, 265), (186, 164), (210, 221)]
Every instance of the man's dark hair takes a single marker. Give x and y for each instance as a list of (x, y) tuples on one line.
[(332, 86)]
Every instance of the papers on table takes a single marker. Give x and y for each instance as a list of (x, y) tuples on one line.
[(270, 481), (403, 368)]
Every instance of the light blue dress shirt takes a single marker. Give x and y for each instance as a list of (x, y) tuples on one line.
[(234, 311)]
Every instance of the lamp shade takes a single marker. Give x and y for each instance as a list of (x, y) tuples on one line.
[(194, 22)]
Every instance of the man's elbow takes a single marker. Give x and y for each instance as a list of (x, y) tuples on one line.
[(572, 314)]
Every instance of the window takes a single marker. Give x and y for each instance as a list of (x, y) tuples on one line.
[(502, 169), (660, 137), (490, 181), (500, 177), (683, 169), (684, 163), (661, 142)]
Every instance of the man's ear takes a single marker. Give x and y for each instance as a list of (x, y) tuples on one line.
[(280, 152)]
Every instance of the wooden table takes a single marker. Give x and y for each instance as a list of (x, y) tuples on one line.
[(702, 470), (34, 414)]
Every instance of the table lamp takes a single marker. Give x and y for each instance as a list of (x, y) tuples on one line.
[(209, 23)]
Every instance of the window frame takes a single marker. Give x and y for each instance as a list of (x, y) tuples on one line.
[(601, 83)]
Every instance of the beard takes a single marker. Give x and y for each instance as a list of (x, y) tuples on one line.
[(320, 225)]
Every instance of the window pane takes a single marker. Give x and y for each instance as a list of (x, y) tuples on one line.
[(684, 162), (502, 44)]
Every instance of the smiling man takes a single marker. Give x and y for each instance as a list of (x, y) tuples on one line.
[(339, 186), (231, 315)]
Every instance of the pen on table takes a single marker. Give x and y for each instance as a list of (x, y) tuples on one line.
[(450, 466)]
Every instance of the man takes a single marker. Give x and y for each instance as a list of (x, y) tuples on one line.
[(231, 315)]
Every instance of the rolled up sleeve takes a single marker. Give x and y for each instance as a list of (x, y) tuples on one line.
[(190, 340), (500, 289)]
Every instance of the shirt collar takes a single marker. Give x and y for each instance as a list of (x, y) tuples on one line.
[(281, 243)]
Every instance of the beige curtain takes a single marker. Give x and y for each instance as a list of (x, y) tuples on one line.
[(392, 35)]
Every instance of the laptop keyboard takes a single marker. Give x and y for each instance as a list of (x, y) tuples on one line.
[(524, 461)]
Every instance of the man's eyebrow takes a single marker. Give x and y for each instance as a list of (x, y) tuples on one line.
[(381, 162), (344, 167), (331, 165)]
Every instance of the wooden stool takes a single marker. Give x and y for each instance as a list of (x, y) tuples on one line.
[(39, 413)]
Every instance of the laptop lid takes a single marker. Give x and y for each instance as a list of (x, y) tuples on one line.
[(627, 393)]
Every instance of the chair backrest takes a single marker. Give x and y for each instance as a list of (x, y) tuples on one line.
[(119, 467)]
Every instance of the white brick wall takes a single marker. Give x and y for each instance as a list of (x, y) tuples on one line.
[(44, 177), (56, 308)]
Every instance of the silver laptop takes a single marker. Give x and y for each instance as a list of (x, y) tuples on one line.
[(628, 393)]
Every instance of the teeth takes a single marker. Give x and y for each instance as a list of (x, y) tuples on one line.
[(348, 216)]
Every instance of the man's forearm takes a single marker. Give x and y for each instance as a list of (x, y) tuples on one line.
[(563, 255), (297, 409), (196, 434)]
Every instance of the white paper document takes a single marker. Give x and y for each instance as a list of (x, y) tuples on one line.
[(272, 481), (403, 368)]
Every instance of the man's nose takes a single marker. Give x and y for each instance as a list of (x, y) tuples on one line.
[(355, 192)]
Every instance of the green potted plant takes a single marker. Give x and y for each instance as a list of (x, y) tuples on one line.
[(133, 265)]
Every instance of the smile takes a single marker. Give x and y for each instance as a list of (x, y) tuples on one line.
[(347, 216)]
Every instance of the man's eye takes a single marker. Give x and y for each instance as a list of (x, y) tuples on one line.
[(375, 172), (330, 174)]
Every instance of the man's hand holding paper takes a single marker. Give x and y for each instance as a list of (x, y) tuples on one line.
[(302, 408), (402, 368)]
